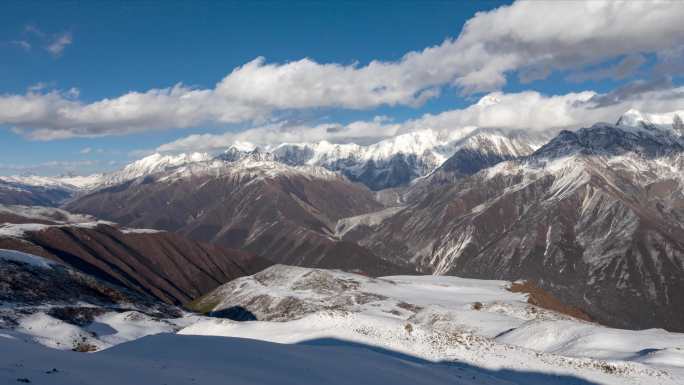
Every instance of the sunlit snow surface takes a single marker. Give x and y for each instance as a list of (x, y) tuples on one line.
[(335, 327)]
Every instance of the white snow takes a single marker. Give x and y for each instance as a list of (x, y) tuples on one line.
[(635, 118), (431, 147), (575, 339), (247, 169), (181, 360), (140, 231), (342, 327), (437, 321), (346, 225), (61, 218), (153, 164), (71, 183), (55, 333), (19, 230), (45, 213)]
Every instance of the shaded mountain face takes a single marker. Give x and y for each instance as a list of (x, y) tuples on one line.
[(159, 265), (285, 213), (596, 217), (398, 170), (482, 149)]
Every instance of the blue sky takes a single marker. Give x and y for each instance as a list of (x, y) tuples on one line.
[(78, 54)]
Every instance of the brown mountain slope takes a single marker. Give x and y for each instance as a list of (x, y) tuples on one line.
[(285, 213), (167, 266)]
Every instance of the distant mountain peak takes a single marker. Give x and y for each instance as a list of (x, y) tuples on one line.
[(634, 133), (634, 118), (668, 120)]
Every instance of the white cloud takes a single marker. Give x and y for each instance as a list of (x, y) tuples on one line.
[(54, 115), (59, 43), (525, 110), (533, 38), (281, 132), (86, 150), (23, 44)]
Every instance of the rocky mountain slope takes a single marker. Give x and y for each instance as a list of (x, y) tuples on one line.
[(284, 212), (594, 216), (161, 265)]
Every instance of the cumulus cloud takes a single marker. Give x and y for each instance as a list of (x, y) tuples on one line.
[(528, 110), (283, 132), (56, 115), (532, 39)]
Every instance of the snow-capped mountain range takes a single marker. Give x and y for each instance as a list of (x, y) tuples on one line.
[(594, 215), (392, 162)]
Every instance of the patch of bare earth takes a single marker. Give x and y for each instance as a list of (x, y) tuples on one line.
[(543, 299)]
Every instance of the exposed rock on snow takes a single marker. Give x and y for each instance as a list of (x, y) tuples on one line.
[(475, 322)]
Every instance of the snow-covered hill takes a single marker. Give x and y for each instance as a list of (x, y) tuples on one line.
[(317, 325), (477, 323), (180, 360)]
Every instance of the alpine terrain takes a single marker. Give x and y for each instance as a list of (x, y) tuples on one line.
[(371, 193)]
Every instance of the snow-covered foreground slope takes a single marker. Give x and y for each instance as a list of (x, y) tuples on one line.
[(175, 360), (324, 326), (451, 319)]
